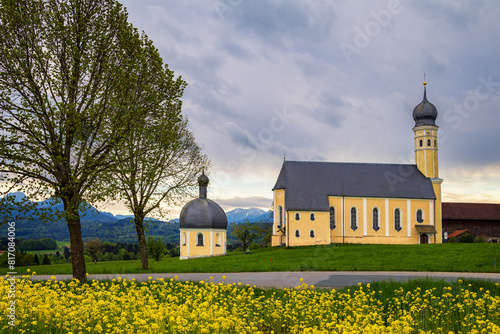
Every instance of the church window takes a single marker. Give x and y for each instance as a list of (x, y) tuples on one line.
[(297, 233), (217, 240), (332, 218), (397, 219), (435, 143), (312, 233), (312, 217), (199, 238), (421, 143), (280, 216), (297, 216), (354, 218), (376, 225), (428, 142), (183, 238), (420, 216)]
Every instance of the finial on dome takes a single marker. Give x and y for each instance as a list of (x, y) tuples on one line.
[(425, 113), (203, 181)]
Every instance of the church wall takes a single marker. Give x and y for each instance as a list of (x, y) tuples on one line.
[(319, 227), (387, 233), (349, 204), (438, 219), (336, 233), (372, 203), (279, 200)]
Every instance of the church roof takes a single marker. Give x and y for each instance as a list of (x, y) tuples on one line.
[(425, 113), (202, 212), (308, 184)]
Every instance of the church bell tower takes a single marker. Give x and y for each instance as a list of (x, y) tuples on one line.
[(426, 141), (426, 151)]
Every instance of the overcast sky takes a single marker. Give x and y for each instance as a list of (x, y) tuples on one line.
[(332, 81)]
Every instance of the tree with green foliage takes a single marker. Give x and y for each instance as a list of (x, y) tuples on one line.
[(160, 160), (94, 248), (155, 247), (72, 87), (36, 259), (246, 232)]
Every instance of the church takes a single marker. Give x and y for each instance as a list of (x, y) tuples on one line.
[(332, 202)]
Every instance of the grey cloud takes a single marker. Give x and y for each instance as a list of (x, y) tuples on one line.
[(245, 202), (273, 20)]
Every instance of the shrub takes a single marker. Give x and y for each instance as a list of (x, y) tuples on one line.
[(254, 247), (466, 238)]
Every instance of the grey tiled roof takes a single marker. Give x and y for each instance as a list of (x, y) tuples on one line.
[(308, 184)]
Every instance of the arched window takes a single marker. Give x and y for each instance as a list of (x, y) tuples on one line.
[(420, 216), (217, 240), (397, 219), (354, 218), (199, 239), (428, 142), (280, 216), (297, 216), (297, 233), (312, 216), (312, 233), (435, 143), (332, 218), (421, 143), (183, 238), (376, 225)]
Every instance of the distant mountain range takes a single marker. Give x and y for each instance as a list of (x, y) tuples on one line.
[(105, 225)]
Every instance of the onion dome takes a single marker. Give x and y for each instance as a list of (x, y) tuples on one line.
[(425, 113), (202, 212)]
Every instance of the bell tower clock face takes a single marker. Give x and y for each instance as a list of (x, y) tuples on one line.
[(428, 132)]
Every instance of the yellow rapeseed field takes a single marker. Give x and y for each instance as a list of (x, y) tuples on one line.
[(170, 306)]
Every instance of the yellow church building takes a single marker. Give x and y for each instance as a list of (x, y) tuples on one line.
[(329, 202)]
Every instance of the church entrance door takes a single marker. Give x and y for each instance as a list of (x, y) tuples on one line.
[(424, 239)]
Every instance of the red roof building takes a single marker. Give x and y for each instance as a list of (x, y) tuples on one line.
[(481, 219)]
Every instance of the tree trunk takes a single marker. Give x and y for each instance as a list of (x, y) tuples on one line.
[(71, 203), (139, 227), (76, 244)]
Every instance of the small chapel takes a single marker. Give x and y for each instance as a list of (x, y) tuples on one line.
[(376, 203), (202, 226)]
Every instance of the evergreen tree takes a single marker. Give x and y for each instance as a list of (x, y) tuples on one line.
[(66, 253), (45, 260), (36, 260)]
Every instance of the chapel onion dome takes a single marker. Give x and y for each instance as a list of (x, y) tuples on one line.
[(202, 212), (425, 113)]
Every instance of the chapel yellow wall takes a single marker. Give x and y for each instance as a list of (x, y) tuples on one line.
[(190, 249), (320, 225)]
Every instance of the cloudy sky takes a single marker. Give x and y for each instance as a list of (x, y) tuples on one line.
[(332, 81)]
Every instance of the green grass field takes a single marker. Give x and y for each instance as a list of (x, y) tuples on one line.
[(336, 257)]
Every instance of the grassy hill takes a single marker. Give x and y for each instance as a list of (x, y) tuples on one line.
[(335, 257)]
